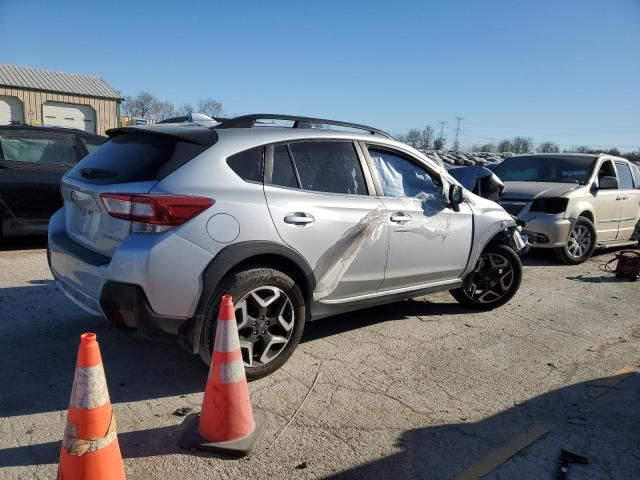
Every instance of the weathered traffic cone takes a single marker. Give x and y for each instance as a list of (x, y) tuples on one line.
[(90, 449), (226, 423)]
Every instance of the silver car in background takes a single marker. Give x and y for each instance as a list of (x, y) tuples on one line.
[(573, 203), (296, 222)]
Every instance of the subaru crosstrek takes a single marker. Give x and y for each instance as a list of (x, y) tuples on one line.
[(297, 221)]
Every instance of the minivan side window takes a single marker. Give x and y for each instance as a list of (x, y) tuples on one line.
[(606, 170), (624, 176), (329, 166), (636, 175), (38, 147), (401, 177)]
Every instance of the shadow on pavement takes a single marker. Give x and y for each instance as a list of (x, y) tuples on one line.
[(605, 429), (39, 336), (599, 419), (398, 311), (36, 242)]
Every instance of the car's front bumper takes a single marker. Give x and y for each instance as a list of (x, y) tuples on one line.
[(547, 231)]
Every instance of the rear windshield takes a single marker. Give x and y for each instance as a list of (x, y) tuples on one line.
[(134, 157), (536, 168)]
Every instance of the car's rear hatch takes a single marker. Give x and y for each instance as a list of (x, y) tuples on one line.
[(131, 162)]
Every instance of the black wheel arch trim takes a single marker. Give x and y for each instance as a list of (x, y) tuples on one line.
[(223, 263)]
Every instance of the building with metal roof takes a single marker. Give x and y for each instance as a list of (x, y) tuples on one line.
[(35, 96)]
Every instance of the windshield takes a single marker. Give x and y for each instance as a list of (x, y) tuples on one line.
[(546, 169)]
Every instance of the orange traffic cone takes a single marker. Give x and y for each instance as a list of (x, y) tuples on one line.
[(226, 423), (90, 449)]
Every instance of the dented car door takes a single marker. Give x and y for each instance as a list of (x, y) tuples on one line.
[(428, 241)]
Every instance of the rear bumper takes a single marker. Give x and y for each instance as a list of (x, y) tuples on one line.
[(152, 284), (126, 305)]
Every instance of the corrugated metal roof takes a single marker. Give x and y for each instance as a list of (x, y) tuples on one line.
[(69, 83)]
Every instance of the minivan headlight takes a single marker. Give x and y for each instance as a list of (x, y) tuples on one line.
[(549, 205)]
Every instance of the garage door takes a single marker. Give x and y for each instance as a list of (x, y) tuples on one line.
[(68, 115), (10, 110)]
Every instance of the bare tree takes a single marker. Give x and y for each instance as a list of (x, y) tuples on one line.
[(165, 110), (426, 137), (143, 105), (186, 109), (582, 149), (439, 143), (548, 147), (489, 147), (522, 144), (413, 138), (505, 146), (211, 107)]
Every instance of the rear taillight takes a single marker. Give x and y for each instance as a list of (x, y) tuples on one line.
[(154, 213)]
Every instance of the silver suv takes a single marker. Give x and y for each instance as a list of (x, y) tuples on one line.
[(298, 220)]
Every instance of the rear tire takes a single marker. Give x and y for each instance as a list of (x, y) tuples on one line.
[(270, 312), (581, 243), (493, 282)]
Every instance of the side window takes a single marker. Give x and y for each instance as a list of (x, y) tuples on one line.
[(401, 177), (624, 176), (635, 172), (606, 170), (248, 165), (283, 172), (332, 167), (91, 144), (38, 147)]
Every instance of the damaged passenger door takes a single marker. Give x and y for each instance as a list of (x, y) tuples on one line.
[(429, 242), (322, 205)]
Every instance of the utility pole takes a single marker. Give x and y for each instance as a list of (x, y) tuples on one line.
[(456, 143)]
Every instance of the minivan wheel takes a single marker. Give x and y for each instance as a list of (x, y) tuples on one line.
[(270, 313), (581, 243), (493, 282)]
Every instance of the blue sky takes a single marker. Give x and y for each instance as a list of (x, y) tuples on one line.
[(566, 71)]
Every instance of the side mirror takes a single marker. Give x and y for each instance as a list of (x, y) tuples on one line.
[(456, 197), (608, 183)]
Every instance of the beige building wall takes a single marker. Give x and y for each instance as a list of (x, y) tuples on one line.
[(32, 101)]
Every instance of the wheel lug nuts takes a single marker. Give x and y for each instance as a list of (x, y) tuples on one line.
[(264, 331), (255, 332), (255, 323), (267, 322)]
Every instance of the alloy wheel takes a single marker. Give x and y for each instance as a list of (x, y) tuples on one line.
[(579, 241), (491, 280), (265, 318)]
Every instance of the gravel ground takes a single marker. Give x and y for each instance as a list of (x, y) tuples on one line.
[(419, 389)]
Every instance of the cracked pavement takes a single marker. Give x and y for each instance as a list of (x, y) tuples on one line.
[(420, 389)]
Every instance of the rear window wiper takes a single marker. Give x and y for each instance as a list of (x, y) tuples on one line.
[(97, 173)]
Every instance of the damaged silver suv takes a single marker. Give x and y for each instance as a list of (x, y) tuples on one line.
[(298, 218)]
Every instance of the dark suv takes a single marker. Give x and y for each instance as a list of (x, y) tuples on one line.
[(32, 162)]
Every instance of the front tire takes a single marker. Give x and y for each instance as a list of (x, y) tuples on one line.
[(270, 313), (581, 243), (493, 282)]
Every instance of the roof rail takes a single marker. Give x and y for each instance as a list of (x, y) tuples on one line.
[(249, 121), (193, 117)]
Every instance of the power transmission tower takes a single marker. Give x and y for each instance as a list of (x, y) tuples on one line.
[(456, 143), (442, 124)]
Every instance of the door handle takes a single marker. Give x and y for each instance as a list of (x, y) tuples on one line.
[(399, 217), (299, 218)]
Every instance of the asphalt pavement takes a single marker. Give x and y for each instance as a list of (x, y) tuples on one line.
[(420, 389)]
